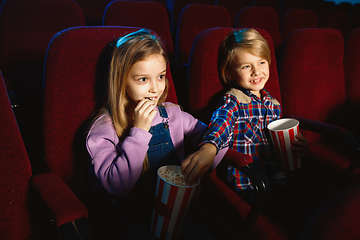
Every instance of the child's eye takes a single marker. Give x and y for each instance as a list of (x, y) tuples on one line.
[(262, 62), (162, 77), (246, 66), (142, 79)]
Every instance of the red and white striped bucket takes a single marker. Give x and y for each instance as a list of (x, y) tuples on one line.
[(283, 132), (170, 206)]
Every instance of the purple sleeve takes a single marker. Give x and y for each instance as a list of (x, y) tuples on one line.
[(195, 130), (117, 165)]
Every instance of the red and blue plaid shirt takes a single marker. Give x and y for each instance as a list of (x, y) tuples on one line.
[(240, 123)]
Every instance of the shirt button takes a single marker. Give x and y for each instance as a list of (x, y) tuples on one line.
[(167, 143)]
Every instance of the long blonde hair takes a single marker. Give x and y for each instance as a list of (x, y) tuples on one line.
[(249, 40), (129, 49)]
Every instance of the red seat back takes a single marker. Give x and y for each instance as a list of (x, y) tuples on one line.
[(26, 28), (265, 18), (150, 15), (274, 4), (294, 19), (194, 19), (176, 8), (14, 175), (233, 7), (311, 76)]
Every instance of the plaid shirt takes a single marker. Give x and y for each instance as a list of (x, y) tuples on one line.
[(240, 123)]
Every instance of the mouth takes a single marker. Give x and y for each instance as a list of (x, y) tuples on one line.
[(256, 80), (154, 99)]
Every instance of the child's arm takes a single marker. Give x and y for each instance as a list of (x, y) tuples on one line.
[(198, 163), (300, 146)]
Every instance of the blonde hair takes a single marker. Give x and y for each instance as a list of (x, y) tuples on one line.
[(129, 49), (248, 40)]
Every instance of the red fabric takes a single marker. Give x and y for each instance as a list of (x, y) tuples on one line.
[(337, 218), (194, 19), (233, 7), (274, 4), (177, 7), (312, 85), (265, 18), (31, 24), (26, 28), (59, 198), (93, 10), (295, 19), (352, 73), (14, 175), (311, 76), (205, 86), (290, 4), (150, 15)]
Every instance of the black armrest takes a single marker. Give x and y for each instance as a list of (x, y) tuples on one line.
[(259, 180)]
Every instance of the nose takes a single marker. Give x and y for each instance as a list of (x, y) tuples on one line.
[(153, 87), (255, 71)]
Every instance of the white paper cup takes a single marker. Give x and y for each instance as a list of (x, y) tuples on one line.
[(170, 206), (283, 132)]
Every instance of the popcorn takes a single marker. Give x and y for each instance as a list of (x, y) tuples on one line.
[(152, 99), (176, 178)]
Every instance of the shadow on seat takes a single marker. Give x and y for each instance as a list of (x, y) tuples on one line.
[(33, 206)]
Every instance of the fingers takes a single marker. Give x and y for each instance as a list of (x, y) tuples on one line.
[(193, 168), (300, 146), (144, 114)]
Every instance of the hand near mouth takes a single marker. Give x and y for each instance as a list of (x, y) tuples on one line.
[(144, 114)]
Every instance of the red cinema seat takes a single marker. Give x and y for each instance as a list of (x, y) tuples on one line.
[(175, 10), (311, 77), (26, 28), (265, 18), (274, 4), (144, 14), (233, 7), (294, 19), (33, 206)]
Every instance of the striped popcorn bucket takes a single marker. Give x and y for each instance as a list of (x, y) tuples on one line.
[(170, 206), (283, 132)]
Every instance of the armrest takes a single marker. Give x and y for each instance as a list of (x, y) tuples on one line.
[(259, 180), (58, 198), (236, 159), (320, 127)]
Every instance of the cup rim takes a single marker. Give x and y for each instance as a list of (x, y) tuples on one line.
[(296, 123)]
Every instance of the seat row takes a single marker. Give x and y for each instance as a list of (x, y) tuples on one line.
[(76, 65)]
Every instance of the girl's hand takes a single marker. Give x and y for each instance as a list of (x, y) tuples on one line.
[(198, 163), (144, 114), (300, 146)]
